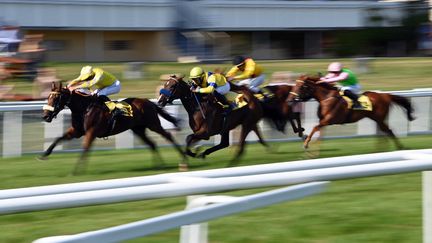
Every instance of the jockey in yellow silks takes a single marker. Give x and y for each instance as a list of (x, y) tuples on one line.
[(246, 72), (95, 81), (208, 82)]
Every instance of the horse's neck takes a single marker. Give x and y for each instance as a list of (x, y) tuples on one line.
[(189, 105), (322, 93), (79, 104)]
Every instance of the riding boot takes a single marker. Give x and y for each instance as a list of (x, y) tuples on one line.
[(354, 97), (228, 107), (265, 96), (103, 98), (115, 114)]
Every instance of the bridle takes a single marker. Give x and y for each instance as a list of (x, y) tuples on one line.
[(58, 103), (170, 93), (298, 97)]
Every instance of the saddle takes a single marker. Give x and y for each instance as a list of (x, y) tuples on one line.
[(363, 100), (236, 99), (264, 95), (122, 108)]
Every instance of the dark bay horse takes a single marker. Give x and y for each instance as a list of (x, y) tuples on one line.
[(206, 118), (91, 119), (277, 109), (333, 109)]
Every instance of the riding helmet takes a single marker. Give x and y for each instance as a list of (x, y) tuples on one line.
[(335, 67), (238, 60), (196, 72), (86, 72)]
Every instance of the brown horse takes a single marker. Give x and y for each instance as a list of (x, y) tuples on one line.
[(206, 117), (277, 109), (333, 109), (91, 119)]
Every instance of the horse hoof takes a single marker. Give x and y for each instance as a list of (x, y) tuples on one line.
[(197, 148), (183, 167), (41, 158), (305, 146), (191, 154), (201, 155)]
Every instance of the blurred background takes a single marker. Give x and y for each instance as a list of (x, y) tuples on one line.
[(387, 43), (38, 35)]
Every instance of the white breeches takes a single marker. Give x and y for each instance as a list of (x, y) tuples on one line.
[(253, 83), (223, 89), (356, 89), (112, 89)]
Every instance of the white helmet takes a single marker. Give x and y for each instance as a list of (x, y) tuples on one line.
[(335, 67)]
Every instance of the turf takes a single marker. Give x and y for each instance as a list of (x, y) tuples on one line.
[(375, 209)]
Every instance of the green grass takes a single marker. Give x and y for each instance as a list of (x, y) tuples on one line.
[(385, 74), (375, 209)]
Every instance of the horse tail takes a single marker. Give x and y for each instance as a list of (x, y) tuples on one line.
[(166, 115), (405, 103)]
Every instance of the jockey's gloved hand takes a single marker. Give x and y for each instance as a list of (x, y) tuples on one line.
[(196, 90)]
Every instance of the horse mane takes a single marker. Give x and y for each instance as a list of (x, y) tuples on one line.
[(314, 78)]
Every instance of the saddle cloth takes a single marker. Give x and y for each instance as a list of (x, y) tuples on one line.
[(266, 93), (363, 100), (124, 108), (236, 98)]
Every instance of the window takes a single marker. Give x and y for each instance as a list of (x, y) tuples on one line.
[(118, 45), (56, 45)]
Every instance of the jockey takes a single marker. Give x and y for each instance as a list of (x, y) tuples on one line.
[(251, 73), (208, 82), (100, 82), (348, 81)]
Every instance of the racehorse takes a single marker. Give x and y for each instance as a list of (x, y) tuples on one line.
[(333, 109), (206, 117), (277, 109), (91, 119)]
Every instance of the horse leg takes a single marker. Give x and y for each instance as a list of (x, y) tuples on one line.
[(157, 159), (191, 139), (81, 164), (300, 129), (309, 137), (66, 136), (384, 127), (260, 137), (243, 135), (170, 138), (223, 144)]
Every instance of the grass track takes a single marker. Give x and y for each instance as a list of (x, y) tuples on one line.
[(376, 209)]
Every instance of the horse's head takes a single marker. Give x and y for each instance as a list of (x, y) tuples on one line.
[(304, 88), (58, 98), (174, 88)]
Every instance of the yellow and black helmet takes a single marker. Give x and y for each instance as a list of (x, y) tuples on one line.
[(197, 74)]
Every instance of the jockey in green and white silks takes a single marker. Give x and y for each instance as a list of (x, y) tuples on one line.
[(347, 81)]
